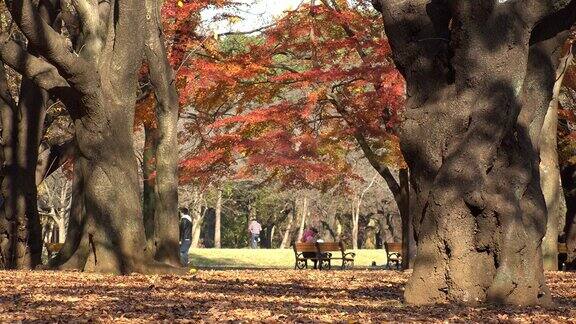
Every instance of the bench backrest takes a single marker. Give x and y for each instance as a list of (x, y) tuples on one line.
[(305, 247), (562, 248), (330, 246), (54, 247), (319, 247), (393, 247)]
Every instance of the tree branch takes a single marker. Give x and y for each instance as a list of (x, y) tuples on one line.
[(372, 157), (42, 73), (51, 45)]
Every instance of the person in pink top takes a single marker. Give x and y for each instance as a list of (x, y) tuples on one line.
[(310, 235), (254, 228)]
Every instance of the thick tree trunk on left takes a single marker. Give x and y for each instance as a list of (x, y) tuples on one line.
[(20, 208), (97, 82), (19, 190)]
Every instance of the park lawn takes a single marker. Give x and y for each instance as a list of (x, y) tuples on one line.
[(268, 258)]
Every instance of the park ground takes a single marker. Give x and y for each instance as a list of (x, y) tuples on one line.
[(249, 295), (268, 258)]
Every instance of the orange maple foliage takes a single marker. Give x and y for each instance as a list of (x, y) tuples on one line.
[(289, 102)]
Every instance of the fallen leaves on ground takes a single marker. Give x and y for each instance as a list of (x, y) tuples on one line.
[(249, 295)]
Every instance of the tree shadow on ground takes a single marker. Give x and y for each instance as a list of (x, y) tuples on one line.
[(271, 295)]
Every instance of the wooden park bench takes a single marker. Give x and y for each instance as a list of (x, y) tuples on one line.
[(53, 248), (562, 248), (562, 256), (393, 255), (323, 254)]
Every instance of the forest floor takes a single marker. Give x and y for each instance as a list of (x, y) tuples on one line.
[(268, 258), (249, 296)]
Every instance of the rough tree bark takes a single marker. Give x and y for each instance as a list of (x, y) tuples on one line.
[(550, 173), (97, 81), (479, 79), (162, 77), (22, 237)]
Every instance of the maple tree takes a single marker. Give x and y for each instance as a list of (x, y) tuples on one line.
[(290, 102), (295, 106)]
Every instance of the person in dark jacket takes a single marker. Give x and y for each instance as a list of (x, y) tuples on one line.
[(185, 235)]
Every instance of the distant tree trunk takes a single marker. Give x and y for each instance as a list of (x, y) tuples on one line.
[(479, 77), (303, 214), (217, 222), (356, 205), (197, 219), (286, 237), (355, 217), (271, 240), (401, 192), (550, 173)]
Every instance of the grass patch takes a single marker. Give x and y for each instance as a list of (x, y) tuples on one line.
[(267, 258)]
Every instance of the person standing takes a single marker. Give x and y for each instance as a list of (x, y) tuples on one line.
[(254, 228), (185, 235)]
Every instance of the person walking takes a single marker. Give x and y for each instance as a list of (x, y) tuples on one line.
[(254, 228), (185, 235)]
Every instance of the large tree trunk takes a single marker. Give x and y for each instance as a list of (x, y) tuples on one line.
[(550, 173), (97, 83), (479, 81), (23, 134), (217, 222), (162, 77)]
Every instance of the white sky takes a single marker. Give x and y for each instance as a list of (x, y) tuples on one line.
[(256, 13)]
